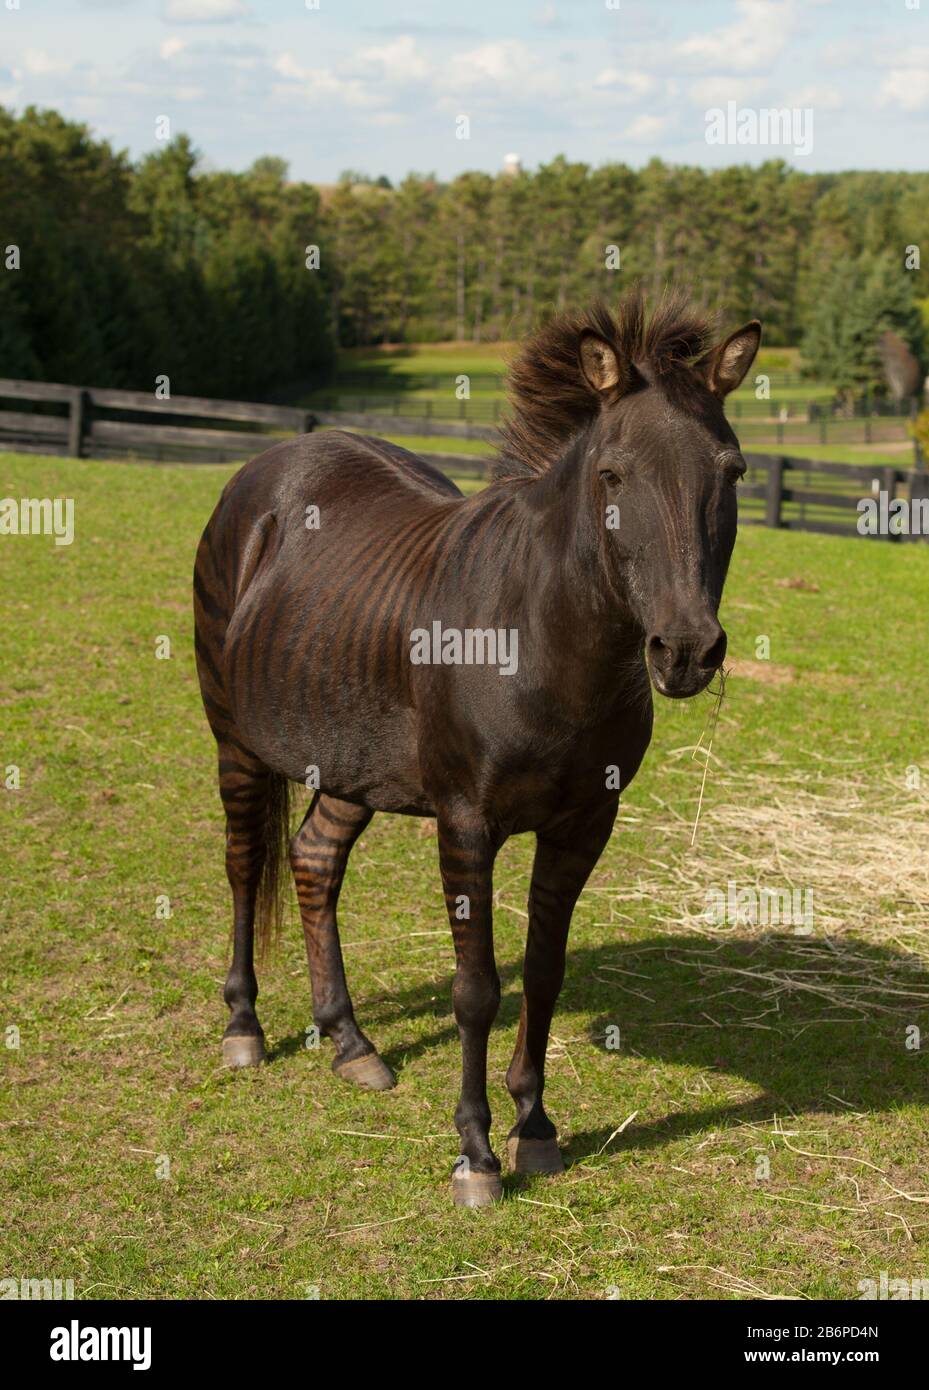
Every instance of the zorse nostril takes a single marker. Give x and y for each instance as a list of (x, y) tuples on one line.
[(690, 651), (713, 656), (660, 653)]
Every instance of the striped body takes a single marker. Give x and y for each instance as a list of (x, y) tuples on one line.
[(364, 630), (304, 638)]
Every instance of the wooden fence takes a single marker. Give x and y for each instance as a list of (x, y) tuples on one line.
[(779, 490), (799, 494), (87, 421), (779, 421)]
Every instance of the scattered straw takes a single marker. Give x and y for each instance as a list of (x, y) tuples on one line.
[(711, 723), (858, 844)]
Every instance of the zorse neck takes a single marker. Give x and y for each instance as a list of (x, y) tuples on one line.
[(576, 593)]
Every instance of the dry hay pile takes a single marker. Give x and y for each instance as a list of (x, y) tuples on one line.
[(858, 845)]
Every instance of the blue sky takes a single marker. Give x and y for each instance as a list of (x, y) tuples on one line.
[(379, 87)]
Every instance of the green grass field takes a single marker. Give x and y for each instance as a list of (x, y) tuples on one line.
[(762, 1128), (426, 359)]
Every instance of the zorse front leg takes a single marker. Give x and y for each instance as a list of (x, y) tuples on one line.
[(466, 856), (562, 866)]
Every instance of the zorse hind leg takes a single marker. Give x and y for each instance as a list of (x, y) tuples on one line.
[(244, 788), (466, 855), (562, 867), (318, 854)]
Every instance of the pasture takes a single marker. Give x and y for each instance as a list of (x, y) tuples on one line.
[(420, 381), (761, 1128), (424, 379)]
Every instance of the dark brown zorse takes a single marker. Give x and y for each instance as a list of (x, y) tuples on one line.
[(599, 552)]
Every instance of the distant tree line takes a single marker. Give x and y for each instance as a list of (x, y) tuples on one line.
[(128, 271)]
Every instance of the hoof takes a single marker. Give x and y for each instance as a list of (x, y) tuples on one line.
[(534, 1155), (370, 1072), (476, 1189), (248, 1051)]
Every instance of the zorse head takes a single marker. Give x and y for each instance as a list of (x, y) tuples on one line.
[(660, 449)]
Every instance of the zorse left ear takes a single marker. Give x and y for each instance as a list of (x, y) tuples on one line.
[(724, 367)]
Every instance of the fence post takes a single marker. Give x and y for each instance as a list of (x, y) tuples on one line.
[(889, 485), (919, 491), (309, 420), (772, 515), (76, 423)]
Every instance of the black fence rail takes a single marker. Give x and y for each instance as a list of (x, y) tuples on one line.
[(447, 406), (780, 422), (373, 422), (90, 421), (836, 499), (780, 490), (104, 423), (867, 404)]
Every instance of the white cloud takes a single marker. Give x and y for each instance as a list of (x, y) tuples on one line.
[(645, 128), (491, 63), (629, 83), (845, 53), (39, 64), (548, 17), (388, 118), (750, 44), (914, 57), (717, 90), (399, 60), (818, 97), (172, 47), (204, 11), (907, 88), (317, 84)]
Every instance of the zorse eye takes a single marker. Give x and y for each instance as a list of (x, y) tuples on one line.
[(733, 466)]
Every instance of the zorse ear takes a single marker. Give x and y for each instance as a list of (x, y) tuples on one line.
[(599, 362), (724, 367)]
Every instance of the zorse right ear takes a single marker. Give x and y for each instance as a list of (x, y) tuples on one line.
[(599, 362)]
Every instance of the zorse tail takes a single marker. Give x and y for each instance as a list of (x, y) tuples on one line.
[(272, 885)]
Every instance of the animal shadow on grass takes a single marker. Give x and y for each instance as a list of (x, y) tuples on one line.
[(812, 1024)]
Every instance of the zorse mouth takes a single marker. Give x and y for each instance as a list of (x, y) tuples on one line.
[(682, 688)]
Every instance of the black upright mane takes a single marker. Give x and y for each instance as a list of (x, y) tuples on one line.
[(551, 399)]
